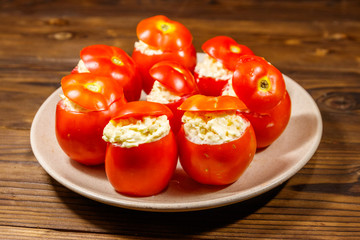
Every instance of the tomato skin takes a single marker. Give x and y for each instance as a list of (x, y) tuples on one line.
[(175, 77), (115, 63), (201, 103), (210, 86), (220, 164), (139, 109), (185, 57), (269, 126), (259, 84), (77, 87), (144, 170), (79, 134)]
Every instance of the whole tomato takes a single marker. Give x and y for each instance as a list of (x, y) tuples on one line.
[(178, 80), (115, 63), (79, 131), (221, 163), (269, 125), (164, 39), (258, 83), (146, 169), (224, 53)]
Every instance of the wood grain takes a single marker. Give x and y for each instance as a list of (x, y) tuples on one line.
[(314, 42)]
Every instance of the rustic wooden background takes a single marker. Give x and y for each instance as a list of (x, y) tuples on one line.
[(317, 43)]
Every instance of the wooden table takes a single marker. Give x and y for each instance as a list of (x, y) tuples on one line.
[(316, 43)]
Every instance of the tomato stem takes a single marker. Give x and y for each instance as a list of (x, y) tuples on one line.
[(93, 87), (117, 61), (165, 27), (264, 84), (235, 49)]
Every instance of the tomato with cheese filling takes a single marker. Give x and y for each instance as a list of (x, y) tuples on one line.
[(269, 123), (114, 63), (216, 142), (162, 39), (88, 103), (173, 84), (216, 68), (141, 154)]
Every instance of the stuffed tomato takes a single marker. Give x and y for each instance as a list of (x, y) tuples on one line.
[(88, 103), (114, 63), (269, 125), (141, 154), (160, 39), (173, 84), (264, 92), (218, 64), (216, 143), (259, 84)]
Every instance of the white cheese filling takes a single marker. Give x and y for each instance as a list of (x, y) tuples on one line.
[(213, 127), (132, 132), (228, 90), (146, 49), (160, 94), (210, 67), (71, 106), (81, 67)]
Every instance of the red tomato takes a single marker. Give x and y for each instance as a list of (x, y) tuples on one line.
[(268, 126), (259, 84), (171, 37), (179, 80), (216, 164), (146, 169), (226, 51), (115, 63), (79, 133)]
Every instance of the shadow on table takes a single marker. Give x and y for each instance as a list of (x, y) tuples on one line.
[(108, 219)]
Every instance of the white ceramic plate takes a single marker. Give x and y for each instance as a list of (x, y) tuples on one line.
[(271, 167)]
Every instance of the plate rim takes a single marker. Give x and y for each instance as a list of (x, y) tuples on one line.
[(181, 207)]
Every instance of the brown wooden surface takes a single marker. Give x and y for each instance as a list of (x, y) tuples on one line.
[(317, 43)]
